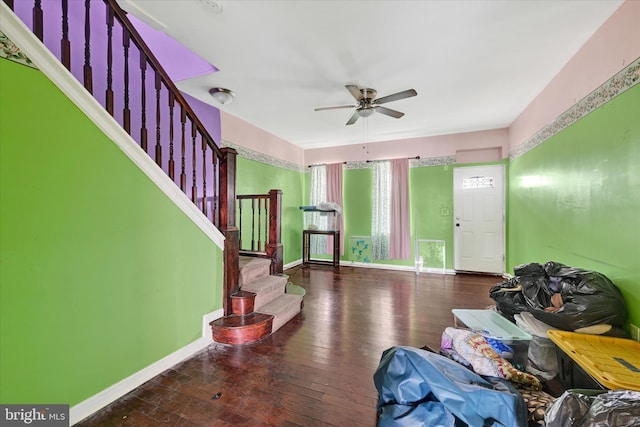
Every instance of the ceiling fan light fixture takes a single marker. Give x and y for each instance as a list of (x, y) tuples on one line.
[(365, 112), (222, 95)]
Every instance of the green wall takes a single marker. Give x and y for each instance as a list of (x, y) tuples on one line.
[(432, 206), (102, 275), (254, 177), (575, 198), (431, 195)]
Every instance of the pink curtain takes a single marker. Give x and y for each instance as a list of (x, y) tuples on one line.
[(400, 237), (334, 194)]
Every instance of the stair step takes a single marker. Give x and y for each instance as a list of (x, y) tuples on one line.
[(243, 302), (242, 329), (283, 309), (266, 289), (252, 268)]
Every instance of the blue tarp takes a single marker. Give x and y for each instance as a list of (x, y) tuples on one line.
[(420, 388)]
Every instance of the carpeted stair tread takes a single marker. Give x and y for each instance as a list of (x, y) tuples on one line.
[(252, 268), (265, 284), (283, 309), (266, 289)]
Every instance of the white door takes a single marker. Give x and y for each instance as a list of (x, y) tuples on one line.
[(478, 219)]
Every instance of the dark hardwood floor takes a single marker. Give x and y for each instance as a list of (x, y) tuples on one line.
[(315, 371)]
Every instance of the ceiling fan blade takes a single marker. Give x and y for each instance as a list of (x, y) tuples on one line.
[(389, 112), (355, 92), (353, 118), (394, 97), (334, 108)]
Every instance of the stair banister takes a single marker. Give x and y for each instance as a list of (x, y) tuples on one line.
[(222, 161), (121, 15), (227, 193)]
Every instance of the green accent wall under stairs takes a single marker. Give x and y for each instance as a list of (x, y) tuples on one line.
[(575, 198), (254, 177), (102, 275)]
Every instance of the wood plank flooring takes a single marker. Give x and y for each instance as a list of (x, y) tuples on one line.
[(317, 370)]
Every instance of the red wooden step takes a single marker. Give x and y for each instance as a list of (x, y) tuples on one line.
[(241, 329), (242, 302)]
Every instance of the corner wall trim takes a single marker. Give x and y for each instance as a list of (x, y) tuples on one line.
[(98, 401), (49, 65)]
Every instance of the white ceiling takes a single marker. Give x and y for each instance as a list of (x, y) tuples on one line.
[(475, 64)]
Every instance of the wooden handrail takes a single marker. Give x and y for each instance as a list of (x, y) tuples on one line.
[(138, 40)]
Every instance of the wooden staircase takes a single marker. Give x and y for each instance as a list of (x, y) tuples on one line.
[(141, 97), (260, 307)]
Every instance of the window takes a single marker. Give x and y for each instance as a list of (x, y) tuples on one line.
[(317, 195), (381, 212), (476, 182), (390, 228)]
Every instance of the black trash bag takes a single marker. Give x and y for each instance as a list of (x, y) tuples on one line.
[(419, 388), (579, 408), (588, 298), (568, 409), (509, 298)]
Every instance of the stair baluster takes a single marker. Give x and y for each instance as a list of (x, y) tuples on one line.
[(109, 92), (38, 21), (143, 101), (126, 112), (88, 78), (65, 43)]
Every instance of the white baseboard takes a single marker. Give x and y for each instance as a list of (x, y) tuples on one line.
[(347, 263), (98, 401), (292, 264)]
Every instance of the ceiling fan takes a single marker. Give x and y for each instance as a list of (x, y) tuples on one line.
[(367, 103)]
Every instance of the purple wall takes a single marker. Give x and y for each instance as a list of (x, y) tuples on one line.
[(208, 115)]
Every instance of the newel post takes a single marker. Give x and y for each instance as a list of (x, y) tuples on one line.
[(274, 247), (231, 256)]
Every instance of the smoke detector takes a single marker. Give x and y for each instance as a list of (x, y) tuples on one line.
[(212, 6)]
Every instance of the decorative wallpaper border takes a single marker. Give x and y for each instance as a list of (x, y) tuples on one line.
[(432, 161), (283, 164), (10, 51), (264, 158), (624, 80), (361, 164), (413, 163)]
